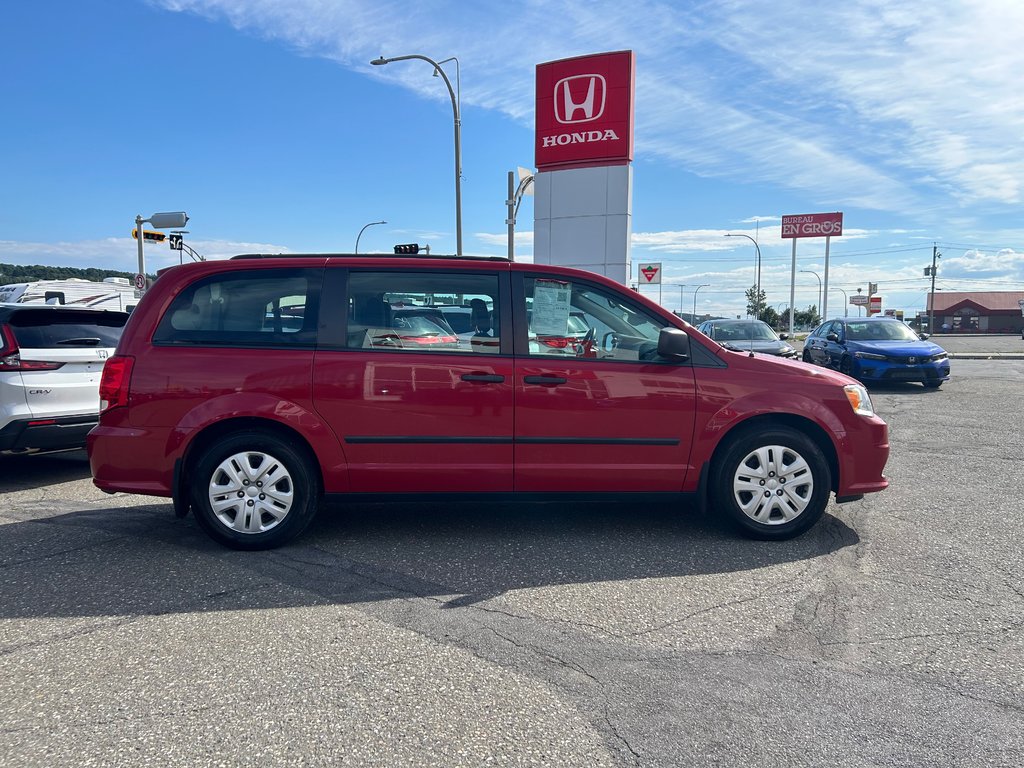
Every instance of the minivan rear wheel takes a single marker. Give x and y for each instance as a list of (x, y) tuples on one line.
[(773, 483), (252, 490)]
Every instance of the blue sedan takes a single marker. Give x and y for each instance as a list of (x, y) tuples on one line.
[(877, 349)]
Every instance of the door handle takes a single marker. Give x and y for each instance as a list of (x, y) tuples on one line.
[(545, 381), (487, 378)]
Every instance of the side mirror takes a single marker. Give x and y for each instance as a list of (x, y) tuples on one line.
[(924, 336), (833, 336), (783, 336), (673, 343)]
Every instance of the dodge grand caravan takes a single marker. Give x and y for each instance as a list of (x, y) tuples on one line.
[(250, 389)]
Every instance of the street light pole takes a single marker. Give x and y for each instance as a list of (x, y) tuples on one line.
[(681, 286), (812, 272), (458, 133), (704, 285), (372, 223), (757, 296), (846, 302)]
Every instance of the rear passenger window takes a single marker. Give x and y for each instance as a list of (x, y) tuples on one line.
[(252, 308), (423, 312)]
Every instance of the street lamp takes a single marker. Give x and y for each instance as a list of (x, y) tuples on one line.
[(681, 286), (757, 296), (846, 301), (372, 223), (175, 220), (515, 197), (812, 272), (703, 285), (458, 132)]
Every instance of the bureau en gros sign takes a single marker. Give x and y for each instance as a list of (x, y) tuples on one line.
[(813, 225)]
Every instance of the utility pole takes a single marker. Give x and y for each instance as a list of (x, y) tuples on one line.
[(931, 297)]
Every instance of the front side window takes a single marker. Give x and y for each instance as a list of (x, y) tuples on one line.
[(424, 311), (272, 307), (566, 318)]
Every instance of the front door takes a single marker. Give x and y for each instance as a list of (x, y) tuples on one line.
[(596, 409)]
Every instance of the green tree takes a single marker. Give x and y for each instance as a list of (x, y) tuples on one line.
[(755, 302)]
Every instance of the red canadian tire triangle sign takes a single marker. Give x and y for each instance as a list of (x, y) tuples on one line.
[(651, 273)]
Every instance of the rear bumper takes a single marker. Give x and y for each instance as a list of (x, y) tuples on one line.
[(49, 434), (129, 460)]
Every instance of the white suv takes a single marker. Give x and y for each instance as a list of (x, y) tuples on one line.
[(51, 358)]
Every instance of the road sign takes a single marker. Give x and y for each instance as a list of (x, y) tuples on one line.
[(860, 300), (650, 274), (140, 282), (175, 241)]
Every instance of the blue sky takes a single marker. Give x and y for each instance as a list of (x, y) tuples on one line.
[(264, 120)]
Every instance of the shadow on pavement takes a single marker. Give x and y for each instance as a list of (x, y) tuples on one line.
[(143, 561), (28, 471)]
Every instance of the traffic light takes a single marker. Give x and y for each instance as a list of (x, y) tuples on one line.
[(407, 248), (149, 236)]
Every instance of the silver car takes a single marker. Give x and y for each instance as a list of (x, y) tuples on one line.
[(748, 336)]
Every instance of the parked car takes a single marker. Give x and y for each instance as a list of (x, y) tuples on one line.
[(748, 336), (877, 349), (51, 358), (250, 422)]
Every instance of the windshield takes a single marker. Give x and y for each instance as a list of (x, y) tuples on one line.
[(757, 331), (416, 324), (880, 331)]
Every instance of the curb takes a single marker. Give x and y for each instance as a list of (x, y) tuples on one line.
[(986, 355)]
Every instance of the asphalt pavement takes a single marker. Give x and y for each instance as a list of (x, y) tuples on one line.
[(891, 634)]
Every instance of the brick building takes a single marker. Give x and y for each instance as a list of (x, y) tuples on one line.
[(978, 311)]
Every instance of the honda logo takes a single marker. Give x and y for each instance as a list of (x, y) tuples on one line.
[(911, 360), (580, 98)]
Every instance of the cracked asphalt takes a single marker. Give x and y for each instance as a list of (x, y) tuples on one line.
[(892, 634)]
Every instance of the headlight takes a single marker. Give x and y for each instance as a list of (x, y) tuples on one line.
[(940, 356), (859, 400), (868, 356), (787, 351)]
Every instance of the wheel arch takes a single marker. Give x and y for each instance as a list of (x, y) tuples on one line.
[(770, 420), (185, 466)]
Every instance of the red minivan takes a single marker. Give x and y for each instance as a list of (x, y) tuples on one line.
[(250, 389)]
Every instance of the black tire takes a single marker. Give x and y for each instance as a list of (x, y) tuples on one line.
[(807, 357), (252, 490), (932, 384), (777, 464)]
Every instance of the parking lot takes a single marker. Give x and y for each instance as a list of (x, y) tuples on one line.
[(548, 635)]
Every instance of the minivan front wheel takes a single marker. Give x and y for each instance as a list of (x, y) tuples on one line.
[(252, 490), (772, 484)]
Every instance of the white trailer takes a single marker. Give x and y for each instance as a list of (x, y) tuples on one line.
[(112, 293)]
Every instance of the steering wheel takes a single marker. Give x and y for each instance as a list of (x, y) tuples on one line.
[(586, 347)]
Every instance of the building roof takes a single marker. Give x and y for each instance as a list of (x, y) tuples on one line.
[(990, 301)]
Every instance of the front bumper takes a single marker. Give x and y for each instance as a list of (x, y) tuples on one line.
[(894, 372)]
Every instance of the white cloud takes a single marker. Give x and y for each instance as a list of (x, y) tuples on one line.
[(866, 103)]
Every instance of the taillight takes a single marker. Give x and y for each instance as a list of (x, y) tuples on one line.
[(10, 355), (115, 381), (556, 342)]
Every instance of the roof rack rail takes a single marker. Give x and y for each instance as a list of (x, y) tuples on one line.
[(445, 257)]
